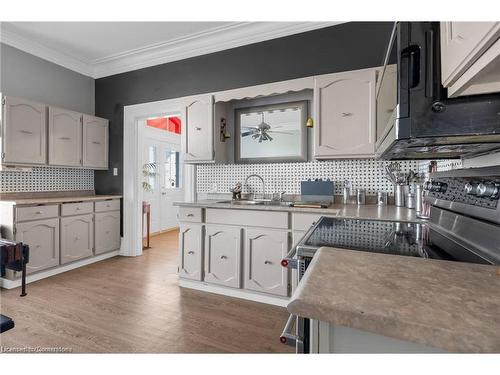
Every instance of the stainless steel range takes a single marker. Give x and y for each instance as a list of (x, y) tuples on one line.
[(464, 227)]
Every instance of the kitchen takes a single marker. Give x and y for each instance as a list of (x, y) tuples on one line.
[(377, 171)]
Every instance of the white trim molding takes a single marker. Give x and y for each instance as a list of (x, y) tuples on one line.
[(217, 39)]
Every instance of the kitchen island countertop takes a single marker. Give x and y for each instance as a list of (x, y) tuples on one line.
[(449, 305)]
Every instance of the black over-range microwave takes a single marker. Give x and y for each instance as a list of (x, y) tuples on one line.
[(415, 118)]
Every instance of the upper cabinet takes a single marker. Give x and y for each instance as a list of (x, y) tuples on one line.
[(470, 57), (65, 137), (344, 108), (199, 135), (35, 134), (24, 129), (95, 142)]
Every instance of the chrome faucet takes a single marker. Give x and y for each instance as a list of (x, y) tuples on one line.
[(263, 183)]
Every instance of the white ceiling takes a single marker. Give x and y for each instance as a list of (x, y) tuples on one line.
[(99, 49)]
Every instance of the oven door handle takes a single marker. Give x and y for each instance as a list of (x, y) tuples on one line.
[(287, 337), (289, 260)]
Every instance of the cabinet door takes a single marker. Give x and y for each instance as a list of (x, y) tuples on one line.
[(264, 250), (24, 132), (77, 237), (345, 115), (107, 231), (42, 236), (65, 137), (461, 44), (95, 142), (198, 139), (191, 251), (223, 256)]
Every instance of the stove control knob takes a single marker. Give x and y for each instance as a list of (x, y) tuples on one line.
[(438, 187), (470, 189), (488, 190)]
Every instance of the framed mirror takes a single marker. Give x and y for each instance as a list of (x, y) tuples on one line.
[(271, 133)]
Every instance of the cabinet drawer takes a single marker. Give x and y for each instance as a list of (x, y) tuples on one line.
[(248, 218), (304, 221), (68, 209), (37, 212), (191, 214), (110, 205)]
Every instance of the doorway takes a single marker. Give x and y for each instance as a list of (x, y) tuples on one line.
[(162, 170)]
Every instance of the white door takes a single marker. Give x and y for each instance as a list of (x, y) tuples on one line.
[(162, 180)]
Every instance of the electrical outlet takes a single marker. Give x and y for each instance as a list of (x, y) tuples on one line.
[(115, 171)]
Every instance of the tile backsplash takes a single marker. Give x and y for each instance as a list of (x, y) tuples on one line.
[(364, 173), (46, 179)]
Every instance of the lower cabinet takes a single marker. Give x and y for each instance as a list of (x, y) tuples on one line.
[(107, 231), (223, 255), (264, 250), (77, 237), (191, 251), (42, 236)]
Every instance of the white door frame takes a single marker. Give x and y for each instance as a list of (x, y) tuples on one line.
[(132, 165)]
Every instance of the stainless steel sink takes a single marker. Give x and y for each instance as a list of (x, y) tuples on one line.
[(245, 202)]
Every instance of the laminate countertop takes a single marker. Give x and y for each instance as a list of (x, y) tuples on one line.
[(450, 305), (368, 211), (46, 200)]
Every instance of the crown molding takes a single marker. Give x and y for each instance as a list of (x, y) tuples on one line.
[(218, 39), (27, 45)]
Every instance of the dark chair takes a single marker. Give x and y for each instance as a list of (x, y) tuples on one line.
[(14, 256), (6, 323)]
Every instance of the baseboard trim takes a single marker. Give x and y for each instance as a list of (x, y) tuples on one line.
[(230, 292), (10, 284)]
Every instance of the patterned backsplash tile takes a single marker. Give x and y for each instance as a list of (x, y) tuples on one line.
[(363, 173), (46, 179)]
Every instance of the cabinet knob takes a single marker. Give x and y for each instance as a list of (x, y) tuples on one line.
[(190, 215), (346, 114), (39, 212), (77, 238), (107, 232), (197, 128), (191, 252), (223, 257), (268, 262)]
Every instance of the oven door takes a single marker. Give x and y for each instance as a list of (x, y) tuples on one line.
[(296, 333)]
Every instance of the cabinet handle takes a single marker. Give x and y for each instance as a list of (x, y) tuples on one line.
[(223, 257), (26, 132), (107, 232), (190, 215), (191, 252), (37, 246), (65, 138), (346, 114), (39, 212), (96, 143), (78, 208), (197, 128), (268, 262)]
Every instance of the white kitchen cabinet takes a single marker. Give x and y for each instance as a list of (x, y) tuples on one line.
[(470, 57), (24, 129), (264, 250), (95, 142), (344, 108), (65, 137), (77, 237), (223, 255), (42, 236), (198, 139), (107, 231), (191, 251)]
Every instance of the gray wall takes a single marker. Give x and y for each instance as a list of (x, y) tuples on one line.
[(31, 77), (349, 46)]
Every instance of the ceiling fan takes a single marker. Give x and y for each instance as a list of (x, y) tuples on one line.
[(261, 131)]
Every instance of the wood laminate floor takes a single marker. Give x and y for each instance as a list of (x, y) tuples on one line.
[(133, 304)]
